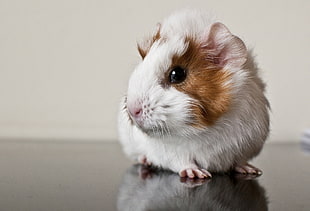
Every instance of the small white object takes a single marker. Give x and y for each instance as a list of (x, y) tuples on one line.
[(305, 141)]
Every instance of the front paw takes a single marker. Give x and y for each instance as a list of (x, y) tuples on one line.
[(142, 159), (195, 173)]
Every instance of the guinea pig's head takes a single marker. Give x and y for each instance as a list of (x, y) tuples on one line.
[(184, 81)]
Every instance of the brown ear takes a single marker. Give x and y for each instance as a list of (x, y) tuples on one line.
[(142, 51), (146, 45), (226, 49)]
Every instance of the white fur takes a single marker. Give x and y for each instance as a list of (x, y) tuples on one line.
[(171, 143)]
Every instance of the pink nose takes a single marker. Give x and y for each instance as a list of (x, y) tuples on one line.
[(135, 111)]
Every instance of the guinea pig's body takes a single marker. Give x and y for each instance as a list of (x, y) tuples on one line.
[(195, 103)]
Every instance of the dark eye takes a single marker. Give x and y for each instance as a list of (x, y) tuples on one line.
[(177, 75)]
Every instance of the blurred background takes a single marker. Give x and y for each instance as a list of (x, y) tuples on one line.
[(64, 64)]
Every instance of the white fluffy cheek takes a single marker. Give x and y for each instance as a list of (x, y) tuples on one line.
[(178, 109), (171, 114)]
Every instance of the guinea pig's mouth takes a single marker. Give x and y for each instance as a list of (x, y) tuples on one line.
[(155, 130), (134, 122)]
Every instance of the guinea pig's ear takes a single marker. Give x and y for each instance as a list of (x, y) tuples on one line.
[(145, 46), (224, 48)]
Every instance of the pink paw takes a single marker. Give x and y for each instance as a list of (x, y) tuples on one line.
[(143, 160), (247, 169), (195, 172)]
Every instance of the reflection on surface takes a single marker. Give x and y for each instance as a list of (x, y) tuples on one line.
[(147, 189)]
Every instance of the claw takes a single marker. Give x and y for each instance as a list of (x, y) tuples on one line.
[(247, 169), (192, 173)]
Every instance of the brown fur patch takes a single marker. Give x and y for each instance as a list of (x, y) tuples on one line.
[(143, 50), (205, 83)]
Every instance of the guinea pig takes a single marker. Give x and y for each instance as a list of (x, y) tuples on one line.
[(195, 103)]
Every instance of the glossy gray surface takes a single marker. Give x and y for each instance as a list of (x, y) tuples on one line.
[(41, 175)]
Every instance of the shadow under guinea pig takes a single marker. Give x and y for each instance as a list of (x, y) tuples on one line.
[(150, 189)]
